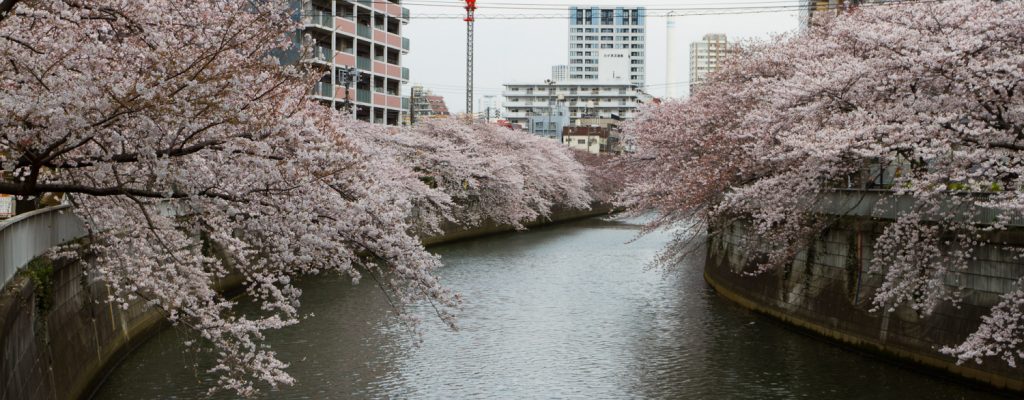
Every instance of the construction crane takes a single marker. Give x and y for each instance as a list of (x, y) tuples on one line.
[(470, 11)]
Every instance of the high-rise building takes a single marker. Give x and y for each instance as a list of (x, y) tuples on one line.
[(559, 73), (706, 56), (594, 31), (424, 104), (359, 39)]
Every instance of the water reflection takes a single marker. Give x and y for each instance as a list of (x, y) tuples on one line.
[(562, 312)]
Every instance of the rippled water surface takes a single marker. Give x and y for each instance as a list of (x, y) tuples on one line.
[(569, 311)]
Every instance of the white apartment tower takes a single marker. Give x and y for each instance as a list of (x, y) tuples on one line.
[(559, 73), (593, 30), (705, 57)]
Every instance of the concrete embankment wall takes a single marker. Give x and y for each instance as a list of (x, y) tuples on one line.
[(60, 338), (828, 290)]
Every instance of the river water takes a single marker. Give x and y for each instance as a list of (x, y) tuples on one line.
[(568, 311)]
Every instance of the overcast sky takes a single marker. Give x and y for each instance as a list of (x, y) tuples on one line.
[(525, 50)]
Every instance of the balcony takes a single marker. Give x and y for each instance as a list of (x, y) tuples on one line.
[(320, 18), (364, 31), (323, 89), (393, 101), (321, 54), (364, 63), (364, 96)]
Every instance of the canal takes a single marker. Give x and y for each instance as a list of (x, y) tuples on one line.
[(567, 311)]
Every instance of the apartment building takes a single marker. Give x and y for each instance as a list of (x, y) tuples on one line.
[(815, 11), (488, 108), (548, 121), (611, 100), (559, 72), (366, 36), (592, 139), (596, 30), (425, 104), (706, 56)]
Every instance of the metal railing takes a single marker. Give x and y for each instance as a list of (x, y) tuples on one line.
[(888, 205), (364, 31), (364, 64), (364, 96), (323, 89), (29, 235), (320, 17), (321, 54)]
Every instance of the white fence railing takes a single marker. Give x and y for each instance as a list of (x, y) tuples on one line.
[(29, 235), (885, 204)]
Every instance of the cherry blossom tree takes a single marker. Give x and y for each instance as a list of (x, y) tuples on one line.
[(491, 174), (930, 92), (604, 178), (192, 154)]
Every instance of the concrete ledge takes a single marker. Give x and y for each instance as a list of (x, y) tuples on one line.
[(68, 351), (456, 233), (930, 362)]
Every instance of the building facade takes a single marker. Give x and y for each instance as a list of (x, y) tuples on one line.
[(591, 139), (488, 108), (424, 104), (358, 43), (814, 11), (559, 73), (706, 56), (597, 30), (582, 99), (548, 121)]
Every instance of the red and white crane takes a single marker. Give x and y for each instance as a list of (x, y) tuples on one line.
[(470, 11)]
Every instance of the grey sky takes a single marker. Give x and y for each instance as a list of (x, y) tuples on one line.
[(525, 50)]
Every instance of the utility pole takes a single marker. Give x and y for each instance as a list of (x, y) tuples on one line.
[(349, 75), (470, 11), (551, 101)]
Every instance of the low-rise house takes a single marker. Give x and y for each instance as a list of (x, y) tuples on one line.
[(592, 139)]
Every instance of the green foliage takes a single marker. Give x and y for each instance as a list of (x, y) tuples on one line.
[(40, 271), (957, 186)]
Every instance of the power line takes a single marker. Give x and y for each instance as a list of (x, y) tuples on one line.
[(677, 12), (537, 6), (662, 12)]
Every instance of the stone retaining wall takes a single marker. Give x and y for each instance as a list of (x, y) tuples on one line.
[(63, 345), (828, 290)]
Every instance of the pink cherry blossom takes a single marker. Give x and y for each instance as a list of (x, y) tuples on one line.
[(932, 92), (192, 154)]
